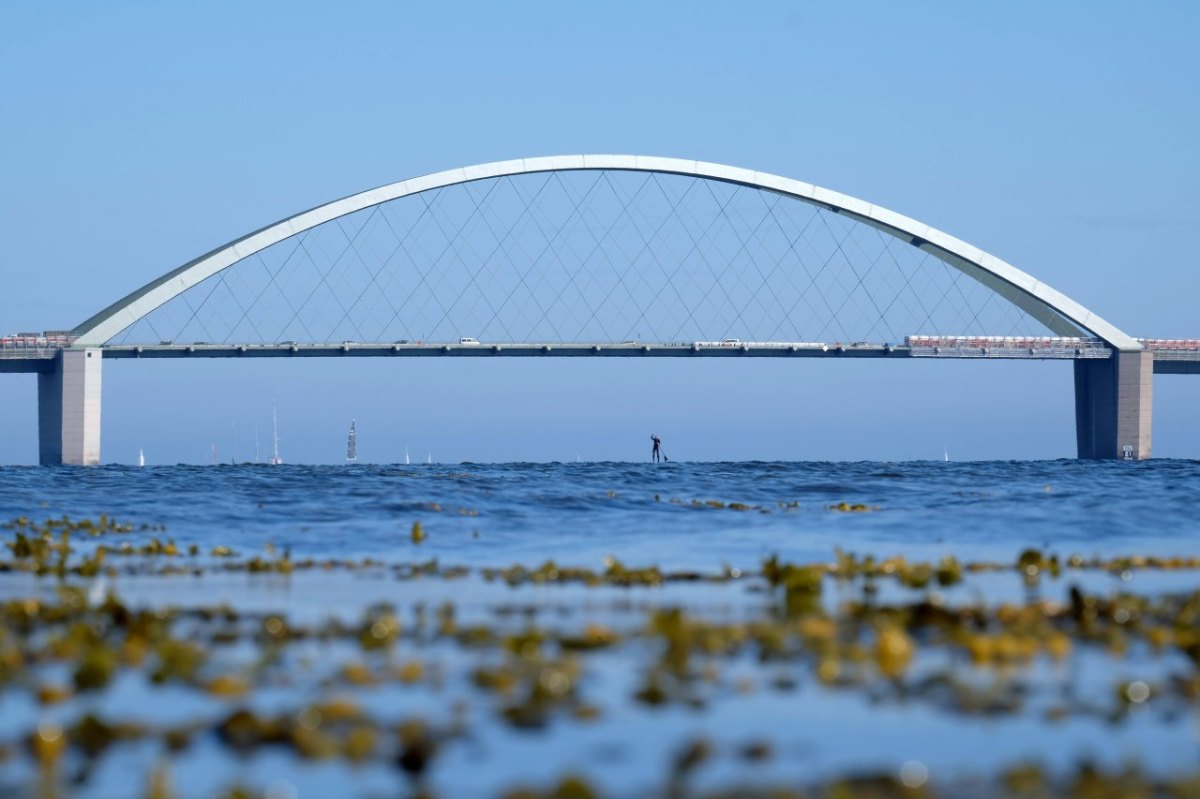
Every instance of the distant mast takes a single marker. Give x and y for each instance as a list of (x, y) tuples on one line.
[(352, 444), (141, 457), (275, 459), (406, 460)]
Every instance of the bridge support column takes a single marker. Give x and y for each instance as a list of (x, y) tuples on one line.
[(69, 409), (1113, 399)]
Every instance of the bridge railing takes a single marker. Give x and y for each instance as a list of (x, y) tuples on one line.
[(1171, 344), (1007, 346), (34, 345)]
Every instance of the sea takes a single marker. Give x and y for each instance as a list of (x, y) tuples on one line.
[(606, 628)]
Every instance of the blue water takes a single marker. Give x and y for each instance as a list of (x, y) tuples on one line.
[(580, 514), (485, 513)]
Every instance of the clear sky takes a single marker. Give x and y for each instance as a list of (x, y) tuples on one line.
[(1060, 136)]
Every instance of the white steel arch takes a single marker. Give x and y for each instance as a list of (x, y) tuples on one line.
[(1052, 308)]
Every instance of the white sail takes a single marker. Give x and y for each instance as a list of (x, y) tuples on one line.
[(141, 457), (406, 460), (275, 459), (352, 444)]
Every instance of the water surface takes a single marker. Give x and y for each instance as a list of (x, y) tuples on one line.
[(718, 523)]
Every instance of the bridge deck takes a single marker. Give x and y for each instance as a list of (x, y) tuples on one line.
[(41, 359), (1176, 362), (592, 349), (688, 349)]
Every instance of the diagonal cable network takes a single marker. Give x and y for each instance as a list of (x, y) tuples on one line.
[(473, 276), (605, 245), (698, 248), (527, 206), (677, 212), (561, 244), (762, 252), (560, 256), (527, 216), (372, 274), (351, 243), (625, 202), (881, 317), (272, 282), (324, 281), (645, 249), (422, 217), (435, 262), (669, 282), (860, 277), (550, 243), (744, 244), (597, 247), (244, 316), (466, 245), (791, 254), (791, 248), (501, 240), (812, 283)]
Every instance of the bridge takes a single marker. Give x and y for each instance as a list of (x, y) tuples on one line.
[(600, 256)]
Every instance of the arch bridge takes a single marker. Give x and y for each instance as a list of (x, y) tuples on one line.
[(599, 256)]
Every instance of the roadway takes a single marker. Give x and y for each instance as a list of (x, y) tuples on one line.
[(41, 359)]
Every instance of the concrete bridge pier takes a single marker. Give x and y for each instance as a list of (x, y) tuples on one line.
[(69, 409), (1113, 399)]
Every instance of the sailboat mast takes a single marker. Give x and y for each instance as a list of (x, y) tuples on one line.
[(275, 459), (352, 444)]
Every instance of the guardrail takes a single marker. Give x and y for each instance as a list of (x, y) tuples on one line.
[(1171, 344), (27, 351), (914, 346), (474, 348), (1029, 347)]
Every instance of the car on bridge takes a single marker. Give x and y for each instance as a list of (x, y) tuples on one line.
[(467, 341)]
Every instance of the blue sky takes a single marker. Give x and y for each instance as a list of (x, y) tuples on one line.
[(1061, 137)]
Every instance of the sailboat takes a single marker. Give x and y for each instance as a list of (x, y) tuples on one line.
[(141, 457), (429, 458), (352, 445), (275, 460), (406, 460)]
